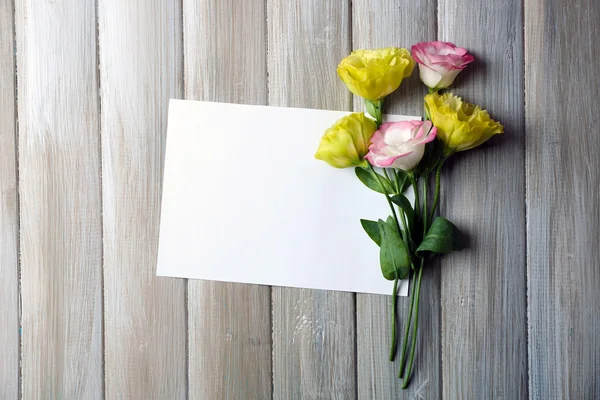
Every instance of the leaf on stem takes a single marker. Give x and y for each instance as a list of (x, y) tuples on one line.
[(393, 256), (370, 181), (443, 237), (372, 229), (391, 223), (401, 201), (402, 180), (372, 109)]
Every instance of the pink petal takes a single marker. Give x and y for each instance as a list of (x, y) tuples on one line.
[(445, 53), (422, 125), (384, 161), (429, 137), (419, 53), (377, 141), (384, 127)]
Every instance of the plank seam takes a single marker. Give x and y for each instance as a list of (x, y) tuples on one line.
[(525, 183), (18, 199), (350, 106), (183, 66), (267, 101), (268, 82), (101, 189), (186, 298), (441, 313), (187, 336)]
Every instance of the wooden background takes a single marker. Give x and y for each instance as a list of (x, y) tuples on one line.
[(84, 88)]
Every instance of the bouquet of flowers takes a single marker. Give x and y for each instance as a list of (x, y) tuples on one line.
[(392, 157)]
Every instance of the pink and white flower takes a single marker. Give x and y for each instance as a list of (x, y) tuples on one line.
[(440, 62), (400, 144)]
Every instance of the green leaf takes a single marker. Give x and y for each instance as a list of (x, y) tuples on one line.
[(407, 184), (374, 109), (371, 108), (402, 180), (401, 201), (372, 229), (393, 255), (391, 223), (372, 182), (442, 238), (431, 157)]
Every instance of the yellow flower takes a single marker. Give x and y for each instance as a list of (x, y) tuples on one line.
[(373, 74), (461, 126), (346, 143)]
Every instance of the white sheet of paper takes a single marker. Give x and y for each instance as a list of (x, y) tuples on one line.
[(244, 200)]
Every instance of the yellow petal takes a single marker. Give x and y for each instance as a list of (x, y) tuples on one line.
[(461, 125), (373, 74), (346, 143)]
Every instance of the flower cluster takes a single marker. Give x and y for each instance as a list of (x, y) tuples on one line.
[(406, 154)]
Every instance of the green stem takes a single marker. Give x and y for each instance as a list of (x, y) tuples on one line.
[(406, 236), (403, 233), (436, 198), (379, 119), (425, 218), (392, 183), (374, 108), (414, 342), (406, 332), (398, 188), (394, 292), (387, 197), (405, 225), (394, 298), (413, 182)]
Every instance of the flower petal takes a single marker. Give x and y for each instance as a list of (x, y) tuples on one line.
[(439, 62)]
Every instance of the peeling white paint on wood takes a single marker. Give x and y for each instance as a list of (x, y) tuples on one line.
[(60, 204), (9, 229), (145, 317)]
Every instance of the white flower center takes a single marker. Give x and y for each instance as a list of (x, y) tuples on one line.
[(397, 140)]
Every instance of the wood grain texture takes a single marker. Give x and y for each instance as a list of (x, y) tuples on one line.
[(9, 229), (563, 215), (484, 340), (230, 341), (376, 374), (318, 350), (313, 331), (60, 201), (145, 316), (229, 324)]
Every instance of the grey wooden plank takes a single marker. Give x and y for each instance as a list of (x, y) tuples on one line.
[(230, 341), (9, 228), (484, 342), (60, 201), (313, 331), (377, 376), (563, 218), (229, 324), (145, 317)]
